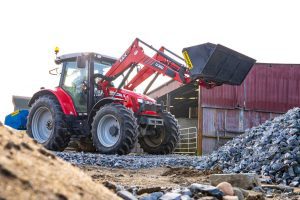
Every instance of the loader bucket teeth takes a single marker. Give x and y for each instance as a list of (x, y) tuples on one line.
[(217, 63)]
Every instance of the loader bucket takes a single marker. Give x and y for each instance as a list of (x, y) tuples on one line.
[(211, 62)]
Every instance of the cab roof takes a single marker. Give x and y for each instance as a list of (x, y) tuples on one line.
[(73, 56)]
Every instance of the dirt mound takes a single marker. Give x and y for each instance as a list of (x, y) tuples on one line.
[(28, 171)]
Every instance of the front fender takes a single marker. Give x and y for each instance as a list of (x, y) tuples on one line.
[(65, 101), (99, 104)]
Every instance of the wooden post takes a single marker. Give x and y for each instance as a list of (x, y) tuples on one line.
[(200, 122)]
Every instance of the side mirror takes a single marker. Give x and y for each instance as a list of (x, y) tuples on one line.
[(81, 61), (54, 71)]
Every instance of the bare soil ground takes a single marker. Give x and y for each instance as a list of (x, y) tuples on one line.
[(153, 177), (28, 171), (159, 177)]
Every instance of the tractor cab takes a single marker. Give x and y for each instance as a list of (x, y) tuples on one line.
[(78, 77)]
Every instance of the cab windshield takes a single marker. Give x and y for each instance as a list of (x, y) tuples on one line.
[(102, 67)]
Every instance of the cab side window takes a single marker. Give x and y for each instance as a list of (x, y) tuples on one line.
[(72, 83)]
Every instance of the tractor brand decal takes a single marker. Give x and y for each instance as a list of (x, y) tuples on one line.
[(158, 65), (123, 57), (187, 59)]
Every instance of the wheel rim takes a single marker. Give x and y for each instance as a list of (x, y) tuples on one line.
[(108, 130), (42, 124), (156, 139)]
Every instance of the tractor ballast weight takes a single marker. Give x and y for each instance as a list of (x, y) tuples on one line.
[(217, 63)]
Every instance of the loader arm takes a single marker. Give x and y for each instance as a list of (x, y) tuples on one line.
[(135, 56), (208, 65), (146, 72)]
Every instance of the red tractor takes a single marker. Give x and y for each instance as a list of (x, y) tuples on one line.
[(89, 108)]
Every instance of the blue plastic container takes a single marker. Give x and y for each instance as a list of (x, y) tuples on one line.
[(17, 119)]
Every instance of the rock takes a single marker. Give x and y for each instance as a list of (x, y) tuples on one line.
[(295, 184), (258, 189), (245, 192), (170, 196), (208, 198), (269, 195), (126, 195), (254, 196), (152, 196), (119, 175), (266, 180), (238, 192), (297, 169), (206, 189), (186, 191), (245, 181), (282, 188), (226, 188), (185, 197), (110, 185), (227, 197), (119, 188), (148, 190)]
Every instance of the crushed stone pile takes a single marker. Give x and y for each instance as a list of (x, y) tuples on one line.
[(131, 161), (28, 171), (271, 149)]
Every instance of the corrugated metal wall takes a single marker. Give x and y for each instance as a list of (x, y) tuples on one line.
[(269, 89), (221, 125)]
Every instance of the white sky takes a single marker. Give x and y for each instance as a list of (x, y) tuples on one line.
[(29, 30)]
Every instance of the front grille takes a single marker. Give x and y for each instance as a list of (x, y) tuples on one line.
[(149, 107)]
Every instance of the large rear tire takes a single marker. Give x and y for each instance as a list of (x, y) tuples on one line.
[(46, 124), (114, 129), (165, 138)]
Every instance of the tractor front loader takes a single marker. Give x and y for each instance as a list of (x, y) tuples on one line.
[(95, 103)]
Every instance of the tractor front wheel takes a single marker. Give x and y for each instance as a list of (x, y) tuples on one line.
[(162, 139), (114, 129), (46, 124)]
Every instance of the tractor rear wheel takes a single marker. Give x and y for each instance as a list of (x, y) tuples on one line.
[(163, 139), (46, 124), (114, 129)]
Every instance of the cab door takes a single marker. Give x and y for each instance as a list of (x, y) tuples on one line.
[(74, 80)]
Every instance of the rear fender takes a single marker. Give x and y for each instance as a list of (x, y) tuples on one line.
[(62, 97), (99, 104)]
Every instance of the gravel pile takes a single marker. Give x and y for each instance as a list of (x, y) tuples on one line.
[(271, 149), (129, 161)]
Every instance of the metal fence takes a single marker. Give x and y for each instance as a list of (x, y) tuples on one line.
[(187, 141)]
